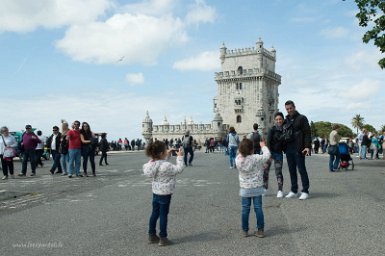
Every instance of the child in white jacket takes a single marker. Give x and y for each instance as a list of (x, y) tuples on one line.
[(251, 169), (163, 185)]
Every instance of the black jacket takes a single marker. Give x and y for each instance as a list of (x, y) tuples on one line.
[(302, 131), (49, 142), (274, 139)]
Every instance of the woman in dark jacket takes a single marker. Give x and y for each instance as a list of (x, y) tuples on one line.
[(275, 144), (88, 147)]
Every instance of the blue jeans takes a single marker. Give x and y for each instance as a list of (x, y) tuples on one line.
[(64, 162), (74, 161), (246, 203), (188, 150), (56, 161), (363, 151), (294, 161), (160, 209), (232, 155), (334, 161)]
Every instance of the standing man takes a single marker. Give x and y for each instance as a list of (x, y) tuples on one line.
[(297, 135), (53, 143), (255, 137), (74, 150), (29, 142), (187, 143)]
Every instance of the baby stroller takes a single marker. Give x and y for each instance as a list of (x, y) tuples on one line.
[(345, 158)]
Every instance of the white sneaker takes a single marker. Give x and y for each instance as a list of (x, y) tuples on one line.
[(279, 194), (291, 195), (304, 196), (5, 178)]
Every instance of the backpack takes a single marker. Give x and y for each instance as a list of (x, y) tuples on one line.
[(288, 131), (256, 138), (186, 141)]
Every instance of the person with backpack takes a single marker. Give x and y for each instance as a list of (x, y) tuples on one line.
[(255, 137), (297, 136), (233, 143), (187, 144)]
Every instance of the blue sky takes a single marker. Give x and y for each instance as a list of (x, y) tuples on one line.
[(107, 62)]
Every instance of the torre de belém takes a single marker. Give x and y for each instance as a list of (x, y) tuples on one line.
[(247, 93)]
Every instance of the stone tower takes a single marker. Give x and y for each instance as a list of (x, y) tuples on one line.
[(247, 88), (147, 127)]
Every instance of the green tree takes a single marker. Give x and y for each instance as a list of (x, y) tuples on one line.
[(369, 128), (372, 13), (382, 129), (358, 122), (324, 129), (313, 130)]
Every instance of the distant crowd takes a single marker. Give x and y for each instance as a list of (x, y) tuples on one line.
[(70, 148)]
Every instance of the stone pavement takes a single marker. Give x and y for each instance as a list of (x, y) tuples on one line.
[(108, 215)]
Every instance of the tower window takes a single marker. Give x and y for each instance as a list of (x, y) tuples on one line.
[(239, 119), (240, 70), (238, 86)]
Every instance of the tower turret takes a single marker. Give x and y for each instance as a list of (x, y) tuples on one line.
[(147, 128), (223, 50)]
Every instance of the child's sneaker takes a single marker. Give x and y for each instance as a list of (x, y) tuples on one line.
[(280, 194), (260, 233), (163, 241), (153, 239)]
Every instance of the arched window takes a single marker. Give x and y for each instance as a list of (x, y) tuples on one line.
[(239, 119), (240, 70)]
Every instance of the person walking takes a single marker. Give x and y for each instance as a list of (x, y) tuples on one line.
[(40, 148), (8, 144), (29, 142), (297, 136), (275, 145), (163, 186), (364, 144), (251, 170), (53, 143), (88, 147), (255, 137), (188, 148), (74, 150), (63, 150), (104, 147), (333, 150), (233, 142)]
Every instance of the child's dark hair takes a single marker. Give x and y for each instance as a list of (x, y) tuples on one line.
[(246, 147), (155, 149)]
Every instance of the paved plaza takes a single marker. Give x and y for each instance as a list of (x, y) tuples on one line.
[(108, 215)]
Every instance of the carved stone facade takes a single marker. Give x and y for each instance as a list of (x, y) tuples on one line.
[(247, 93)]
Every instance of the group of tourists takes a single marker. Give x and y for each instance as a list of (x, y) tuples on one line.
[(291, 135), (67, 146)]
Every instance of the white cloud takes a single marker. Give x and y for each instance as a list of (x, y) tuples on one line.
[(135, 78), (200, 13), (138, 38), (362, 90), (206, 61), (25, 15), (337, 32), (360, 60), (150, 7)]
